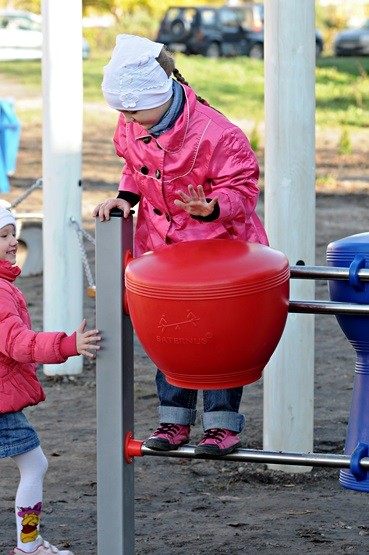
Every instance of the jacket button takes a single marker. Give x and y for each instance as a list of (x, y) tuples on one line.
[(146, 140), (145, 170), (157, 174), (157, 211), (167, 217)]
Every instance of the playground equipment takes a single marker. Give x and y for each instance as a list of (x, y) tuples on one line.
[(10, 129), (353, 252), (212, 298), (116, 445), (29, 233)]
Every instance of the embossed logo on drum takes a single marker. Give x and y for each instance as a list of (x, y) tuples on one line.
[(190, 320)]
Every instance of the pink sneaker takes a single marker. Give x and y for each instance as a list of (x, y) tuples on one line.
[(168, 437), (44, 549), (218, 442)]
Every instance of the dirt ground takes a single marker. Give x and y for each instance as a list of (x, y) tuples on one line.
[(196, 506)]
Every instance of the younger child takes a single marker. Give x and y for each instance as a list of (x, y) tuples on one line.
[(195, 177), (20, 349)]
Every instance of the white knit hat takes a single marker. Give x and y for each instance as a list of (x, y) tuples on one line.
[(6, 218), (133, 79)]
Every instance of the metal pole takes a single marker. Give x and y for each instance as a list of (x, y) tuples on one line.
[(258, 456), (326, 272), (328, 307), (62, 86), (114, 385), (290, 205)]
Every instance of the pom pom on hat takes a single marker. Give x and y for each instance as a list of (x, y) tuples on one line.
[(6, 218), (133, 79)]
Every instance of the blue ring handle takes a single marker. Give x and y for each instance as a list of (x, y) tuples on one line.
[(360, 452), (357, 264)]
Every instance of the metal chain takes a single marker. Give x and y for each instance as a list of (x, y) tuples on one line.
[(36, 185), (80, 234), (88, 236)]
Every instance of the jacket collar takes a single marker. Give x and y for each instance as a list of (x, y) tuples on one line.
[(8, 271)]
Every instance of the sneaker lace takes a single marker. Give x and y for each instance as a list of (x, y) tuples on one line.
[(170, 429), (215, 433)]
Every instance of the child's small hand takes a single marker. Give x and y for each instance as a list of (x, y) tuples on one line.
[(103, 210), (87, 340), (195, 202)]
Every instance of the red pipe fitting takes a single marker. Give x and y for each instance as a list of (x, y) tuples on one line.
[(132, 448)]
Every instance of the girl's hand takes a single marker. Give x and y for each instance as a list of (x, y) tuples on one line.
[(195, 202), (103, 210), (86, 340)]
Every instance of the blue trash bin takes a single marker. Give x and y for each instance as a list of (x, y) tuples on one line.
[(353, 253), (10, 129)]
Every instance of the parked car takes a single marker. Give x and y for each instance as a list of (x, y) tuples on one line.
[(352, 42), (205, 30), (213, 32), (21, 36)]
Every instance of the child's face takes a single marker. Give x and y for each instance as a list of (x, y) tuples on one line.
[(8, 244), (147, 118)]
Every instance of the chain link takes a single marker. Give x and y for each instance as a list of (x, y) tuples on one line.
[(80, 234), (36, 185)]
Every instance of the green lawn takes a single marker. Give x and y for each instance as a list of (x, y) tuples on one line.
[(235, 86)]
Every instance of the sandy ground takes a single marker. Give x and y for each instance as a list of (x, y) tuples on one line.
[(196, 506)]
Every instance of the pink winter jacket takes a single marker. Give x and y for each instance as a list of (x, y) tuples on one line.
[(21, 348), (203, 148)]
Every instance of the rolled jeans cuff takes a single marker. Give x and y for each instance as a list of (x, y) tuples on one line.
[(226, 420), (177, 415)]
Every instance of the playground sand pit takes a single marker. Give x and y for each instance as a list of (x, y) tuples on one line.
[(196, 506)]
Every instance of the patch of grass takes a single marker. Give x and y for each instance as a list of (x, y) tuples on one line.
[(235, 86), (342, 92)]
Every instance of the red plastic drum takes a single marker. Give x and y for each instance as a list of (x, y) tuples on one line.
[(209, 313)]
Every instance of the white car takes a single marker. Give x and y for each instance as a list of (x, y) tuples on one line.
[(21, 36)]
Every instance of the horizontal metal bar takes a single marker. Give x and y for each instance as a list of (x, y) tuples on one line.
[(328, 307), (258, 456), (325, 272)]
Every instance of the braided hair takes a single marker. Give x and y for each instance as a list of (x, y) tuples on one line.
[(166, 60)]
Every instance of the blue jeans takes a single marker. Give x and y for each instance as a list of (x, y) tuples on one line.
[(178, 406)]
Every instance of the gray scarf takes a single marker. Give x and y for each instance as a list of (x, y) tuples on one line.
[(171, 116)]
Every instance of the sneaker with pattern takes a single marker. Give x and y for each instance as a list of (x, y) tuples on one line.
[(168, 437), (218, 442)]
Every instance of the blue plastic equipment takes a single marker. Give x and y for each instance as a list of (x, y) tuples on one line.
[(353, 253), (10, 129)]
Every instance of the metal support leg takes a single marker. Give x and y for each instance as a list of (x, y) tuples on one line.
[(114, 384)]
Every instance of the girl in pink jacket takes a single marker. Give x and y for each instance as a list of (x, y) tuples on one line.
[(195, 177), (20, 349)]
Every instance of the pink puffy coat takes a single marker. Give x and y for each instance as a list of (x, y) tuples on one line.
[(203, 148), (21, 348)]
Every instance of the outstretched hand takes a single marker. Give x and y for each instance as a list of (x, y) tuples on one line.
[(195, 202), (86, 340)]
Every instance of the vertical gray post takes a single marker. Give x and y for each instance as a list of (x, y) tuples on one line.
[(290, 214), (114, 385)]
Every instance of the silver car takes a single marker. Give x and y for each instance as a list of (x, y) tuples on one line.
[(21, 36)]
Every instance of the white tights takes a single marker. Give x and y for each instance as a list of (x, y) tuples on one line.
[(28, 502)]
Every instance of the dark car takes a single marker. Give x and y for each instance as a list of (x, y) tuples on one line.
[(352, 42), (225, 31), (203, 30)]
